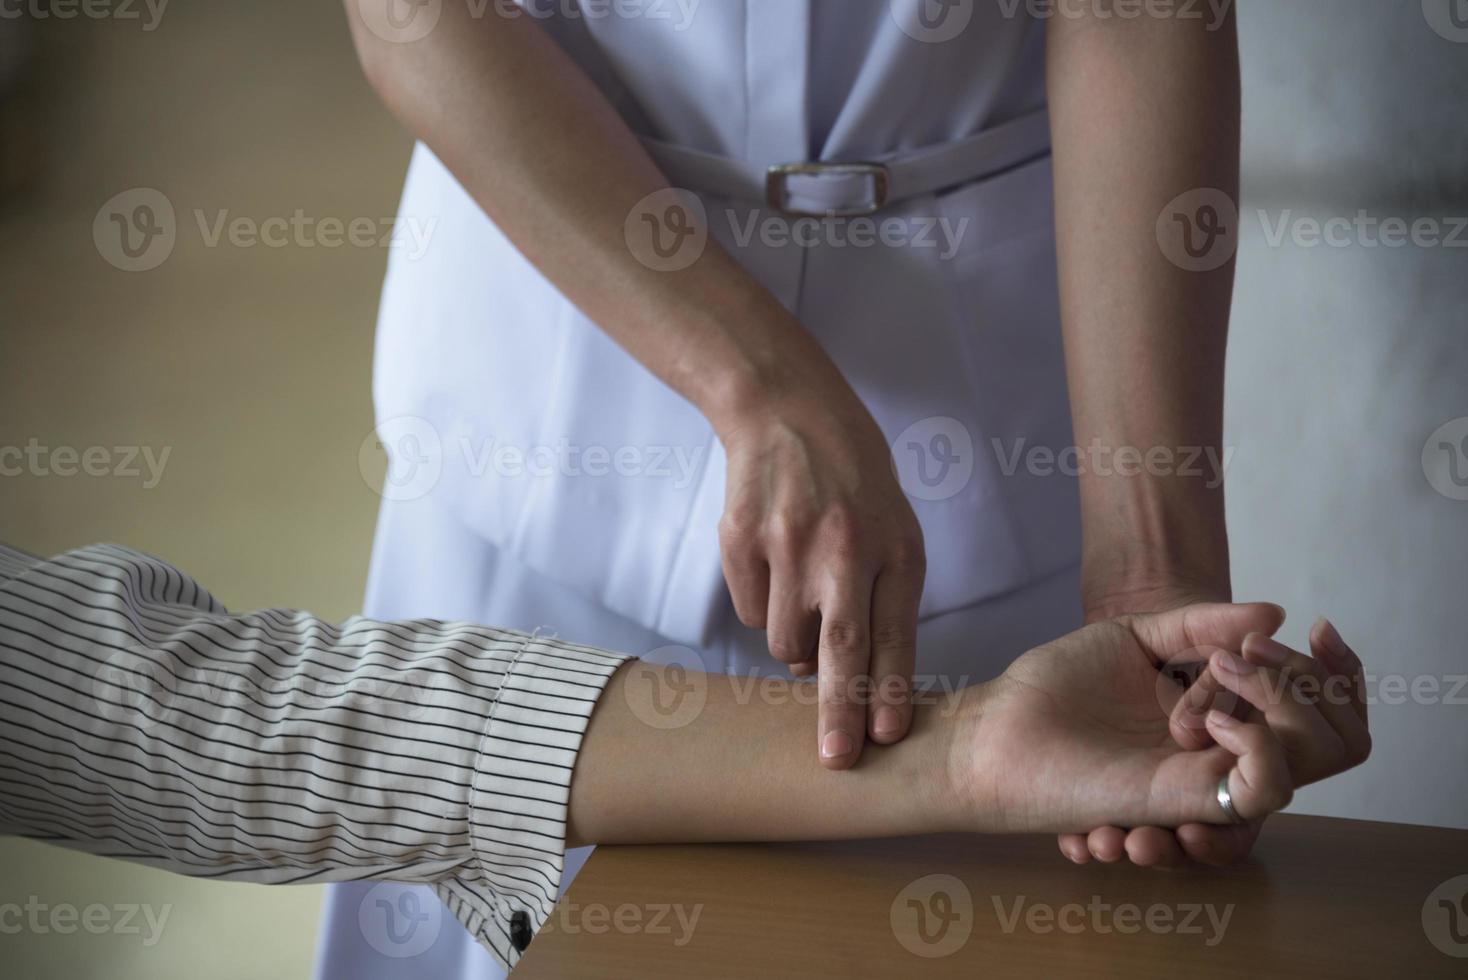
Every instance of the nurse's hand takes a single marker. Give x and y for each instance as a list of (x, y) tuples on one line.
[(1090, 730), (822, 549)]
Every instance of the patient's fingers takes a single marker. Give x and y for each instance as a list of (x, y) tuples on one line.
[(1259, 782), (1313, 747), (1073, 846), (1326, 643), (1216, 845), (1107, 844), (1187, 720), (1332, 694), (1154, 847), (1166, 634)]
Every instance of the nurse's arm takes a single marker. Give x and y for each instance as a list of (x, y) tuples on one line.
[(1145, 113), (820, 546)]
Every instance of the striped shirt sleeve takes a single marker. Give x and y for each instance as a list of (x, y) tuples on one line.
[(140, 719)]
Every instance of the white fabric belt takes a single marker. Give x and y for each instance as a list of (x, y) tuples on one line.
[(858, 188)]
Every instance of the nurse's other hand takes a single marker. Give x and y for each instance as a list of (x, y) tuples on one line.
[(1089, 730), (822, 549)]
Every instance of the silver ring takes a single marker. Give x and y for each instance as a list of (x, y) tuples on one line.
[(1226, 802)]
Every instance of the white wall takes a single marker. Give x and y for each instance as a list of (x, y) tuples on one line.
[(1345, 360)]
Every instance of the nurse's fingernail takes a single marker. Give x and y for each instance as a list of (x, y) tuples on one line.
[(1233, 663), (836, 744), (886, 721), (1265, 650)]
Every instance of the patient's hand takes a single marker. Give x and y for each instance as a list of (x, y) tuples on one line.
[(1087, 731)]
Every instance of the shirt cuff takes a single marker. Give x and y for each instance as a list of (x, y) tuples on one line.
[(522, 789)]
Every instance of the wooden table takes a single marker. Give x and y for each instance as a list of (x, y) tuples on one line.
[(1320, 898)]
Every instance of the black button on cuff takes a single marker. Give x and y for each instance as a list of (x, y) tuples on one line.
[(520, 930)]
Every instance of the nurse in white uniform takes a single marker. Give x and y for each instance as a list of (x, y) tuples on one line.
[(699, 273)]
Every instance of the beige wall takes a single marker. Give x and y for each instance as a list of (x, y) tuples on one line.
[(251, 366)]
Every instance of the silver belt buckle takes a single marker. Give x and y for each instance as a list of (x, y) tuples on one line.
[(778, 197)]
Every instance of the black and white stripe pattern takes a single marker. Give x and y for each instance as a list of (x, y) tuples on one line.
[(139, 719)]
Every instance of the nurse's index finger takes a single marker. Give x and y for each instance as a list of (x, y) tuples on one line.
[(844, 656)]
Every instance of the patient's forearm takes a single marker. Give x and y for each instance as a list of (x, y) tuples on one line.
[(740, 770)]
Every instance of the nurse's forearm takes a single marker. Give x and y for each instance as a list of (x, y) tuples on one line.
[(549, 159), (739, 769), (1145, 110)]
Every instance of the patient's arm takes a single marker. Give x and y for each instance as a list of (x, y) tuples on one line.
[(141, 719), (1080, 732)]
